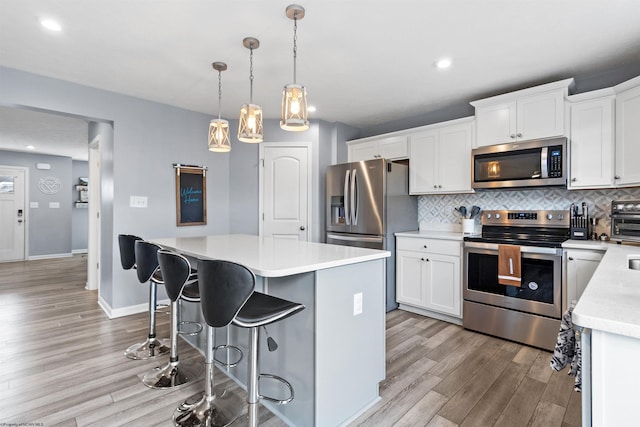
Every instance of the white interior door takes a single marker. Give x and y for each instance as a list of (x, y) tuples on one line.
[(285, 184), (93, 256), (12, 214)]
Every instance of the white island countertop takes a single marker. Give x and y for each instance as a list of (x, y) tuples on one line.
[(268, 256), (611, 300)]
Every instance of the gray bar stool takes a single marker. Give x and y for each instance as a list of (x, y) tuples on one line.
[(261, 310), (224, 289), (146, 255), (181, 283)]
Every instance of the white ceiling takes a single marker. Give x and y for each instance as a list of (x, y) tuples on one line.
[(363, 62)]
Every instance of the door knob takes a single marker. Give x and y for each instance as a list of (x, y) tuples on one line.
[(302, 227)]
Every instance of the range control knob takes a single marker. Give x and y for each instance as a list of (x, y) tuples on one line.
[(549, 217), (497, 216), (561, 217), (488, 216)]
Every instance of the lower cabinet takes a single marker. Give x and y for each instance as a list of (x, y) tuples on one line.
[(581, 263), (428, 275)]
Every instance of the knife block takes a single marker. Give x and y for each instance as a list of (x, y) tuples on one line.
[(579, 229)]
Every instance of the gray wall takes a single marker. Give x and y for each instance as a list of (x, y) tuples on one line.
[(139, 142), (49, 228), (147, 138), (79, 216)]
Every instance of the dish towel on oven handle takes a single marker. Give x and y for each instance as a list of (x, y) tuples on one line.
[(568, 349), (509, 265)]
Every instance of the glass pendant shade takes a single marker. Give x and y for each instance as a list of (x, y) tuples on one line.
[(294, 108), (219, 136), (250, 126)]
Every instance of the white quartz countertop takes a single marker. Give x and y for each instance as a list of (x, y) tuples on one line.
[(271, 257), (443, 235), (611, 300)]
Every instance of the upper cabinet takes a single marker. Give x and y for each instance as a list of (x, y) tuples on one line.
[(389, 147), (440, 158), (526, 114), (627, 172), (591, 139)]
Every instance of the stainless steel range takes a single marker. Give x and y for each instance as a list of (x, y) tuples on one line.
[(531, 313)]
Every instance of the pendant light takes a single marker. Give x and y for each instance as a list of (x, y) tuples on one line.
[(294, 96), (250, 126), (219, 128)]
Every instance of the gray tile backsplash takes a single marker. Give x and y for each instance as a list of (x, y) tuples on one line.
[(439, 208)]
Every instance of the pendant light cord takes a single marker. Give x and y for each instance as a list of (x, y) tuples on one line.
[(251, 76), (295, 44), (219, 92)]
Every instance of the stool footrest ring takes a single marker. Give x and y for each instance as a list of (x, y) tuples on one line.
[(227, 347), (197, 328), (283, 381)]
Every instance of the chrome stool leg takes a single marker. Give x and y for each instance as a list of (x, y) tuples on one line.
[(152, 346), (176, 372), (213, 408)]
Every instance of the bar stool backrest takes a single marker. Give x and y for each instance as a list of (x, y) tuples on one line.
[(127, 252), (146, 259), (176, 270), (224, 288)]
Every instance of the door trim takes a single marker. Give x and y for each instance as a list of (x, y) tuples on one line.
[(261, 149), (27, 214)]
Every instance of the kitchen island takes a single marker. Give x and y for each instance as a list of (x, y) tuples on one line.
[(333, 352), (609, 309)]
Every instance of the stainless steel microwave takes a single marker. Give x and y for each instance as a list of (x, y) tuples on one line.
[(534, 163)]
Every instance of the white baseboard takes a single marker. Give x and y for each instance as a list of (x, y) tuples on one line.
[(79, 251), (49, 256), (433, 314), (113, 313)]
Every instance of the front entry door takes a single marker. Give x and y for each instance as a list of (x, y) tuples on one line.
[(285, 183), (12, 214)]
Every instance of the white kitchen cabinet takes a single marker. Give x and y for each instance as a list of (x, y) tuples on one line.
[(591, 144), (428, 275), (523, 115), (627, 172), (581, 263), (440, 158), (390, 147)]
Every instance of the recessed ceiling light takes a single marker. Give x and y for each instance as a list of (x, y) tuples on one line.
[(50, 24), (443, 63), (31, 147), (311, 109)]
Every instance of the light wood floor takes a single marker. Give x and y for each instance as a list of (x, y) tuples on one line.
[(63, 365)]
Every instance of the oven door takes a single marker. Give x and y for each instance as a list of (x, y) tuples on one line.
[(541, 269)]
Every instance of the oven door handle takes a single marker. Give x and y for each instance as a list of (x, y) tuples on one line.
[(625, 216), (523, 249)]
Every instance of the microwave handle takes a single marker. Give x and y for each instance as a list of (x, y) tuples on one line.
[(544, 164)]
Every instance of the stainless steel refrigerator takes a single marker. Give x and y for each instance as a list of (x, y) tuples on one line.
[(367, 202)]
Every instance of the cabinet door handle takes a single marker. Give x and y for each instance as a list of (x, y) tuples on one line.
[(421, 259), (617, 177), (435, 186), (574, 179), (513, 136), (519, 135), (570, 258), (425, 246), (439, 186)]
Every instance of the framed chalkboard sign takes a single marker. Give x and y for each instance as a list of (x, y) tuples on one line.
[(191, 195)]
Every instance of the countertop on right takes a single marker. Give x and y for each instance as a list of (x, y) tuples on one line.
[(611, 300)]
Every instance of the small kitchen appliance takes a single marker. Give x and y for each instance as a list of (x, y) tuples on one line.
[(625, 221), (529, 313)]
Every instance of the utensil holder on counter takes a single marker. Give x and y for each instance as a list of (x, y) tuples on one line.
[(579, 228), (468, 226)]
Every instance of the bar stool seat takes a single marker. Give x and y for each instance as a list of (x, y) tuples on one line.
[(180, 284), (148, 270), (262, 310)]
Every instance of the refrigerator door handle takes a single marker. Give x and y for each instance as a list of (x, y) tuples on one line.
[(347, 212), (354, 197)]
